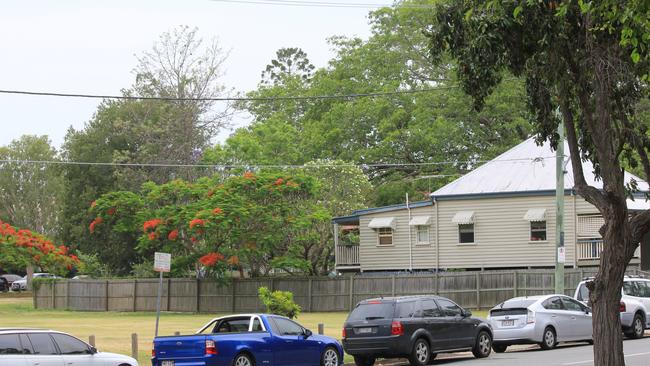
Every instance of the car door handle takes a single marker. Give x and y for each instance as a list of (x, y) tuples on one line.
[(573, 318), (553, 316)]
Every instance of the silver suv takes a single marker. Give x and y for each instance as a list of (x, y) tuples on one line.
[(635, 304)]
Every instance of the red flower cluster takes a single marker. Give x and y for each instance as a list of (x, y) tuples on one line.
[(249, 175), (98, 220), (35, 246), (152, 235), (151, 225), (279, 181), (211, 259), (111, 211), (217, 211), (196, 222), (173, 235)]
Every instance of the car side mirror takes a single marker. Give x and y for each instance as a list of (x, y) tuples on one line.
[(308, 333), (587, 310), (93, 350), (467, 313)]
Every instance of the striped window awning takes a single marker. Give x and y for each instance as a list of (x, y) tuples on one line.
[(382, 222), (463, 217), (535, 214), (420, 220)]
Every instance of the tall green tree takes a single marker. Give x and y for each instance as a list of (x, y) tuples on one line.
[(31, 193), (404, 136), (589, 60)]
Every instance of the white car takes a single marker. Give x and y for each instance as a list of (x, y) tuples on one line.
[(21, 284), (544, 320), (28, 347), (635, 304)]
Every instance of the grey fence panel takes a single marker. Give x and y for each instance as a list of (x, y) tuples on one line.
[(473, 290)]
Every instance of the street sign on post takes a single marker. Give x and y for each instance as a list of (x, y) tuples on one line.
[(162, 263)]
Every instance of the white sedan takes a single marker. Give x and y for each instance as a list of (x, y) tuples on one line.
[(545, 320), (31, 347)]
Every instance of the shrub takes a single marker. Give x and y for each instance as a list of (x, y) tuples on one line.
[(279, 302)]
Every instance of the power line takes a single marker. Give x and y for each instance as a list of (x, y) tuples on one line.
[(260, 166), (326, 4)]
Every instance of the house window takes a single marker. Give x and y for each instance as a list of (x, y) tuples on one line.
[(466, 233), (422, 234), (537, 230), (385, 235)]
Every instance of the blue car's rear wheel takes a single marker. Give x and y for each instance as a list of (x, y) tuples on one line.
[(243, 359), (330, 357)]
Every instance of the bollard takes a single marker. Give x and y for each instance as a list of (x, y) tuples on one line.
[(321, 328), (177, 333), (134, 345), (91, 340)]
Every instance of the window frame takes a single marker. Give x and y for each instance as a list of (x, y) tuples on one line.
[(87, 348), (473, 242), (276, 321), (384, 235), (444, 310), (20, 350), (531, 231), (427, 235)]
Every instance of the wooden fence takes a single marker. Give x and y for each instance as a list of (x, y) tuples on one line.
[(472, 290)]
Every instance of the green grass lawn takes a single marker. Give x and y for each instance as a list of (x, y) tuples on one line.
[(112, 330)]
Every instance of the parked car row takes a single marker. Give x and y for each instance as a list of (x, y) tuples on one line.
[(6, 280)]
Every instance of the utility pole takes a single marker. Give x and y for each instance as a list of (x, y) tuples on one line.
[(560, 253)]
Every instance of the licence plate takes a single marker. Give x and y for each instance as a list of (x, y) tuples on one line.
[(167, 363), (364, 330), (504, 323)]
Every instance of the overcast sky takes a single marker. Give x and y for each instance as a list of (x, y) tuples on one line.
[(90, 47)]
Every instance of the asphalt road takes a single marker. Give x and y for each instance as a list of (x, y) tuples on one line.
[(637, 353)]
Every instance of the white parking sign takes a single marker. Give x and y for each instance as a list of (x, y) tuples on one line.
[(162, 262)]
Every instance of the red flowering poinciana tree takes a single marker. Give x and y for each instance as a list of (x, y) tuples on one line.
[(20, 248)]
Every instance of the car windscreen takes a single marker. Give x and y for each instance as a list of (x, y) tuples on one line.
[(583, 293), (372, 310)]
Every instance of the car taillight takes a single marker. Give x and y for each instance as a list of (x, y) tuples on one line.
[(396, 328), (153, 350), (622, 308), (530, 317), (210, 347), (343, 333)]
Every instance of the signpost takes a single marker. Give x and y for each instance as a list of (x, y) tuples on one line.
[(162, 263)]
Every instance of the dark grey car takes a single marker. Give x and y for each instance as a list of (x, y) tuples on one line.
[(416, 327)]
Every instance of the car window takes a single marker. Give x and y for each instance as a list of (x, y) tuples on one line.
[(287, 327), (10, 344), (42, 344), (257, 325), (583, 293), (233, 325), (572, 305), (405, 309), (644, 288), (449, 308), (27, 345), (372, 310), (69, 345), (630, 288), (554, 303), (429, 309)]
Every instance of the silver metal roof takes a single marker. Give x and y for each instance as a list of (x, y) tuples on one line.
[(526, 167)]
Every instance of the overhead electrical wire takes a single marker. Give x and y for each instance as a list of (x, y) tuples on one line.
[(259, 166), (326, 4)]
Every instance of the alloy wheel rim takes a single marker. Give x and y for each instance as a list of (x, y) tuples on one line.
[(242, 361), (331, 358), (484, 344), (422, 352), (550, 339), (638, 327)]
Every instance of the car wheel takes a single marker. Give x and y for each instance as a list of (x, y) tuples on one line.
[(549, 339), (330, 357), (364, 361), (421, 354), (499, 348), (483, 346), (243, 359), (637, 329)]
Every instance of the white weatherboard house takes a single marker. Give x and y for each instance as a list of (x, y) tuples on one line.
[(500, 215)]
